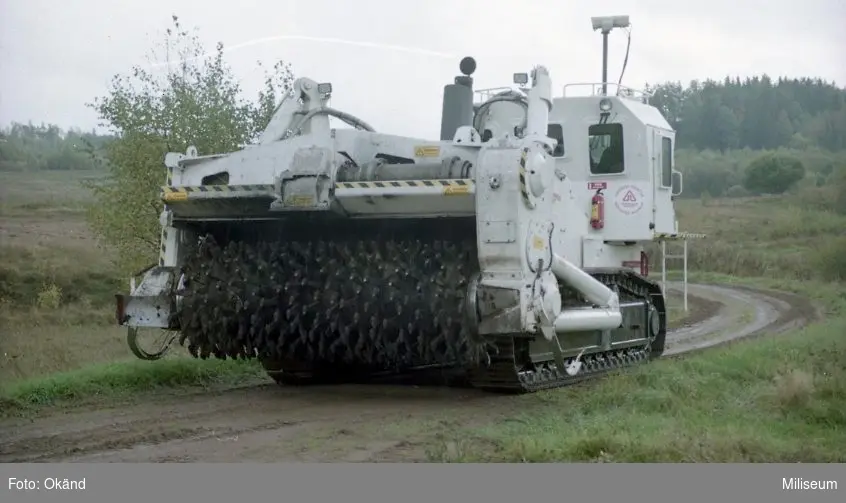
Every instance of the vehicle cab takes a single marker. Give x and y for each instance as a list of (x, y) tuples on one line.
[(615, 146), (618, 146)]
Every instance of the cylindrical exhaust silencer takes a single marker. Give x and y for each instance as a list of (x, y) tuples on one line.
[(457, 107)]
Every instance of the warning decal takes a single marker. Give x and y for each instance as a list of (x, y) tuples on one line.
[(629, 199), (427, 151)]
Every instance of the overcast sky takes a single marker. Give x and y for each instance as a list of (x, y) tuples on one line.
[(58, 55)]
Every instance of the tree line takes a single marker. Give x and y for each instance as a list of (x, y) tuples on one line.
[(756, 113), (25, 147)]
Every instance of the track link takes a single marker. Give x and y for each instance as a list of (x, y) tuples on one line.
[(511, 370)]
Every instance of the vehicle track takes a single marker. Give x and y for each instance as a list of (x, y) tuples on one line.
[(337, 423)]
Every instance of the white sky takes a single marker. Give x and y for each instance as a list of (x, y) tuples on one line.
[(57, 55)]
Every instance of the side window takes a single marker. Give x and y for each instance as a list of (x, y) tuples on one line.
[(606, 149), (666, 162), (556, 132)]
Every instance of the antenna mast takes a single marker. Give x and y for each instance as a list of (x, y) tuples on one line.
[(606, 24)]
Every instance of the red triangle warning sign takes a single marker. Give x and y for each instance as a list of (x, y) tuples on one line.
[(629, 197)]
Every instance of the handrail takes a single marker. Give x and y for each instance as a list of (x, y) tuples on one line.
[(621, 90), (482, 95)]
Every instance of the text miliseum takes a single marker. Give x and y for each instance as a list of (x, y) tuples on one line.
[(800, 484)]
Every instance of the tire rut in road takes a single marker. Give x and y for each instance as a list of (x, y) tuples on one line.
[(171, 429), (767, 312)]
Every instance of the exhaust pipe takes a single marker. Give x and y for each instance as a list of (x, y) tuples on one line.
[(606, 316), (457, 108), (581, 320)]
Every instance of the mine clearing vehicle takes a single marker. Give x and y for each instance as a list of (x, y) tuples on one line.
[(512, 248)]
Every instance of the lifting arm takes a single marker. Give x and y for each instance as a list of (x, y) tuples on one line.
[(305, 108)]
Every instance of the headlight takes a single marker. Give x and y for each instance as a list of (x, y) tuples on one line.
[(605, 104)]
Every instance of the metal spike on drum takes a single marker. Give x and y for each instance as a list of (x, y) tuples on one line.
[(357, 317)]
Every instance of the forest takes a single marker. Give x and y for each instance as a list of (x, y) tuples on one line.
[(734, 137), (25, 147), (757, 113)]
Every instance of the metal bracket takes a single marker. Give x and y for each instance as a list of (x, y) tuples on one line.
[(575, 366), (546, 327), (551, 336), (306, 183), (150, 303)]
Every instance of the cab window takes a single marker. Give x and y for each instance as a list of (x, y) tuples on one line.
[(666, 162), (556, 132), (606, 149)]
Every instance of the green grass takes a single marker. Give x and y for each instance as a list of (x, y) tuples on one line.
[(57, 284), (762, 237), (121, 379), (42, 193), (769, 400), (765, 399), (80, 273), (829, 296), (59, 343)]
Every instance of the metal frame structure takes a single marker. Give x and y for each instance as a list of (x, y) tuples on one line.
[(601, 89), (684, 237), (482, 95)]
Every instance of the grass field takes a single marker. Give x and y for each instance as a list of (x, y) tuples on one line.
[(773, 399), (779, 399), (56, 283), (765, 237)]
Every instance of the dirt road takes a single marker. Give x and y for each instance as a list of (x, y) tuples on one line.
[(336, 423)]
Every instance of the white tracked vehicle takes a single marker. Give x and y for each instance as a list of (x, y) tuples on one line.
[(512, 248)]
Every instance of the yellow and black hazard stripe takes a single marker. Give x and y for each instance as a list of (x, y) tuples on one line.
[(404, 183), (216, 188), (524, 189), (450, 186), (171, 194)]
